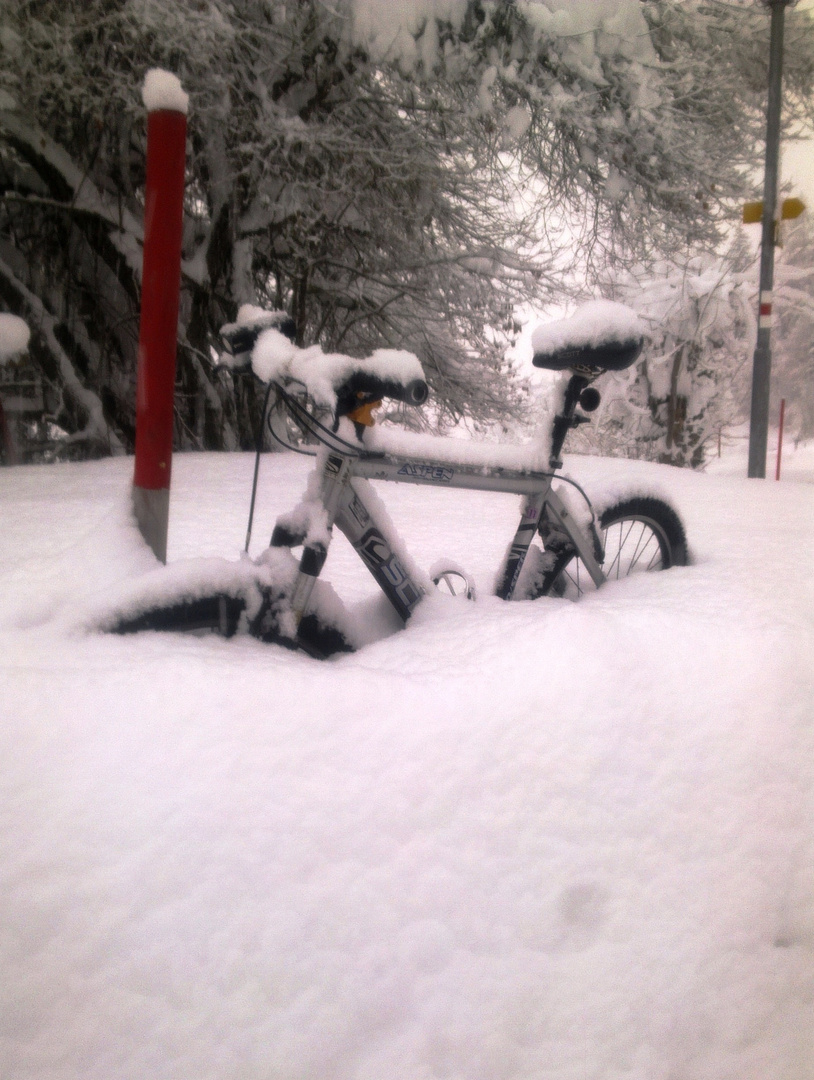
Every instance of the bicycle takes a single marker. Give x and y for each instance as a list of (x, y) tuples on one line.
[(329, 400)]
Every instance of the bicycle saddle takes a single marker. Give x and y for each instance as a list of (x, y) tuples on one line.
[(599, 336)]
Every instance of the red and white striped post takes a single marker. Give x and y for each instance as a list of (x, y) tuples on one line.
[(166, 105)]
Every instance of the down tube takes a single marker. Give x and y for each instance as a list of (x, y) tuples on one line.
[(518, 549), (375, 548)]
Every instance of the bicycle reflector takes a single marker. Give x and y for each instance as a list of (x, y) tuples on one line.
[(589, 399)]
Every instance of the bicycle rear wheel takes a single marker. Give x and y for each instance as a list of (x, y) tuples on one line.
[(639, 535)]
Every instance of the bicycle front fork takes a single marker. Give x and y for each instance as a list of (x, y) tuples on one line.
[(335, 471), (340, 503)]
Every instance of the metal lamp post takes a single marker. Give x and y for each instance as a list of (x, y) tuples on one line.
[(762, 364)]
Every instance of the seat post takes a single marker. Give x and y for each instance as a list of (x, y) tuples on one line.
[(565, 420)]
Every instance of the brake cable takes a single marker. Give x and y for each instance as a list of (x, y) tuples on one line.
[(258, 451), (308, 424)]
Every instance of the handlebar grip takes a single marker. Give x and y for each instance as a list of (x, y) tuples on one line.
[(242, 338), (362, 388), (415, 392)]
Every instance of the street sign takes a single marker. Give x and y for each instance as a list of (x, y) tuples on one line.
[(789, 208)]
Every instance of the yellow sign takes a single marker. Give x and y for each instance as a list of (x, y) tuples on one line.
[(790, 208)]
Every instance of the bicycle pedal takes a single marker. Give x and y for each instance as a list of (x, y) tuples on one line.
[(453, 581)]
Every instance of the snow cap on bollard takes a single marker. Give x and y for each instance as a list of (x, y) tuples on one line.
[(163, 90), (167, 105)]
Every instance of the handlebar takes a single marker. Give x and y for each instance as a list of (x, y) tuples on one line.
[(363, 388), (240, 338), (350, 387)]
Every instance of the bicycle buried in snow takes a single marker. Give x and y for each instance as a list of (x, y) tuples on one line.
[(557, 549)]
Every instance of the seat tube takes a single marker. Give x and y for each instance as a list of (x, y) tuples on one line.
[(335, 475)]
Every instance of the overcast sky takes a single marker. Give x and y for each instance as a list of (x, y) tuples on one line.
[(798, 159)]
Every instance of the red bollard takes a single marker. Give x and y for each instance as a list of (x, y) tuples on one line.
[(780, 439), (160, 290)]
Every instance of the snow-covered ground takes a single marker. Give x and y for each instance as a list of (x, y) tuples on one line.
[(796, 461), (537, 840)]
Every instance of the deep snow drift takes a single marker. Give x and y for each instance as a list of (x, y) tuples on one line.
[(538, 840)]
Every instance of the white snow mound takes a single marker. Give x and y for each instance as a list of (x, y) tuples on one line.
[(163, 90)]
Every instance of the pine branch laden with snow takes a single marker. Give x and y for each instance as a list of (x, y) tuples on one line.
[(92, 427), (793, 339)]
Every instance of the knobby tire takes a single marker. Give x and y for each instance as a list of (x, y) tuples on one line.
[(641, 534)]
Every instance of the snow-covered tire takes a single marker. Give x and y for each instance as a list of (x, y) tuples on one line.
[(639, 534), (321, 639), (219, 613)]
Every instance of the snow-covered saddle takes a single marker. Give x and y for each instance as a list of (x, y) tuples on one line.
[(600, 336)]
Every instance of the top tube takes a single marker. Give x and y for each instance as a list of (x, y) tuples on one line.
[(529, 458)]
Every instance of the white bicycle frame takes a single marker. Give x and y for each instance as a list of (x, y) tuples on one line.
[(344, 505)]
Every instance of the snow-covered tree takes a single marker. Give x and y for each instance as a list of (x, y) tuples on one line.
[(692, 379), (392, 174), (793, 339)]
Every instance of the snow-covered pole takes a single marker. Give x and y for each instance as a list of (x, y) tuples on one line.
[(762, 362), (166, 105), (780, 439)]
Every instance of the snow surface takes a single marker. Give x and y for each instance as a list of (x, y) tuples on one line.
[(599, 322), (14, 336), (530, 840), (163, 90)]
